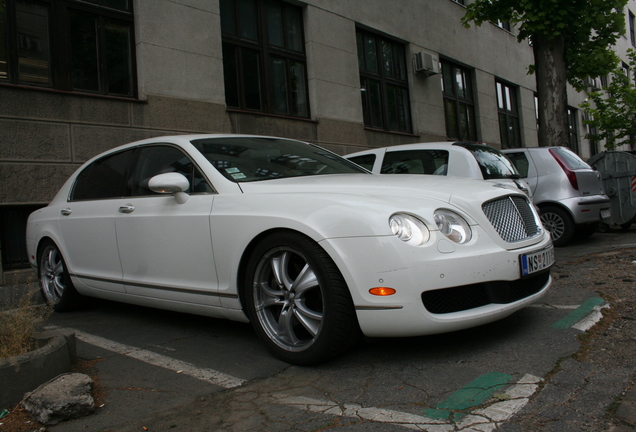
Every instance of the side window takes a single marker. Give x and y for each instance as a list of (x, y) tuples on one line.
[(415, 162), (520, 161), (104, 178), (155, 160), (365, 161)]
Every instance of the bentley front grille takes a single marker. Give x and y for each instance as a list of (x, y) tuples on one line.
[(512, 217)]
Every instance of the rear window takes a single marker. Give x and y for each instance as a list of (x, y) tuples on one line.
[(365, 161), (521, 163), (415, 162), (493, 163), (571, 159)]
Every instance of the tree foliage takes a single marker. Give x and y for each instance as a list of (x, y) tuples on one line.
[(589, 28), (611, 111)]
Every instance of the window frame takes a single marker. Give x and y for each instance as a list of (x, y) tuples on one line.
[(632, 27), (508, 110), (60, 56), (573, 132), (458, 101), (266, 53), (377, 112)]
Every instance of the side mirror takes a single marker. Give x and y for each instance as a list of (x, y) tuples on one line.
[(173, 183)]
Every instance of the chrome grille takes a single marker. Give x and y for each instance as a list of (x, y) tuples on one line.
[(512, 217)]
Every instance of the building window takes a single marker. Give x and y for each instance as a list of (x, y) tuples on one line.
[(459, 106), (13, 221), (85, 47), (503, 24), (383, 82), (632, 24), (264, 60), (573, 135), (509, 126), (591, 131)]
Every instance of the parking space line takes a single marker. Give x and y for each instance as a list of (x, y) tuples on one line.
[(485, 419), (583, 317), (209, 375), (469, 396)]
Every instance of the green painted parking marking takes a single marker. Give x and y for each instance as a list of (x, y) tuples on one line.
[(469, 396), (578, 314)]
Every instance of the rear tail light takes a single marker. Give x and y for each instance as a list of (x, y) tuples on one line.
[(571, 175)]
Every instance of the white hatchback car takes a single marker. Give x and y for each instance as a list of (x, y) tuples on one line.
[(309, 247), (459, 159)]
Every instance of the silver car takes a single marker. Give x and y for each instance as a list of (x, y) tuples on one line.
[(459, 159), (568, 192)]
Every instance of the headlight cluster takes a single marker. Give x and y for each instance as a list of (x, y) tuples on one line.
[(413, 231), (453, 226), (409, 229)]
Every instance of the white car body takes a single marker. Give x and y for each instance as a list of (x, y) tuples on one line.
[(453, 159), (190, 256)]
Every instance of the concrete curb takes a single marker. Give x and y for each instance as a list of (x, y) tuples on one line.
[(24, 373)]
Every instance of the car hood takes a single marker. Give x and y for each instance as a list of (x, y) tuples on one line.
[(440, 188)]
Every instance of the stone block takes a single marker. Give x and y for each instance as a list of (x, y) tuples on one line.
[(34, 141), (186, 116)]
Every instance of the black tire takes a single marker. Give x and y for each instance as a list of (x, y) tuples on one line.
[(626, 225), (603, 227), (56, 286), (297, 300), (559, 223)]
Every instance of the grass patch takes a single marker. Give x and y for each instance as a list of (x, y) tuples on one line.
[(20, 318)]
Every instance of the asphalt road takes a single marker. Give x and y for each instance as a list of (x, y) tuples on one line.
[(161, 370)]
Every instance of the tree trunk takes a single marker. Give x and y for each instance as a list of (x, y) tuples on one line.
[(551, 73)]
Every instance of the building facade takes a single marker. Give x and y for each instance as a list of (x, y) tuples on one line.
[(78, 77)]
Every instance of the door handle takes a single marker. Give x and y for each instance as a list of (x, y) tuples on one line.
[(66, 211), (127, 208)]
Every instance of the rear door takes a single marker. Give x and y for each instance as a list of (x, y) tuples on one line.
[(88, 220), (525, 165)]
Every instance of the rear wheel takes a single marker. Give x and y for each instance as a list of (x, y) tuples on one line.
[(559, 223), (55, 283), (297, 300)]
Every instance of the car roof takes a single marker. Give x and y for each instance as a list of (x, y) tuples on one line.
[(423, 146)]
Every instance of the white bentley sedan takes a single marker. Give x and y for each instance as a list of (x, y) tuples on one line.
[(310, 248)]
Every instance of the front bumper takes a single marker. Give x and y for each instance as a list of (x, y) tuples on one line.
[(368, 262)]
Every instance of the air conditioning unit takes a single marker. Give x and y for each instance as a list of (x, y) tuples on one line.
[(426, 63)]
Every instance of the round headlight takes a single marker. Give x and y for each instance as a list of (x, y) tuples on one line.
[(453, 226), (409, 229)]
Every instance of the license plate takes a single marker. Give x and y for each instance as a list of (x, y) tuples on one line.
[(537, 261), (606, 214)]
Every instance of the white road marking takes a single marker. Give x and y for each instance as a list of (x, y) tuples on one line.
[(209, 375), (589, 321), (549, 306), (482, 420)]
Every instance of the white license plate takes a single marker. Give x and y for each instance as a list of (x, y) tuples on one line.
[(537, 261), (606, 214)]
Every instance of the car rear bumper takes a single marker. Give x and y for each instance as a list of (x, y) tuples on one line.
[(587, 209)]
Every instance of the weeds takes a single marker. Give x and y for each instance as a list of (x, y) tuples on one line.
[(19, 320)]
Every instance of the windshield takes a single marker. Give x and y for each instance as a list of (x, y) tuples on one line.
[(493, 163), (245, 159)]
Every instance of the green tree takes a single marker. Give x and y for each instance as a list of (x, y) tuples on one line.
[(611, 111), (571, 40)]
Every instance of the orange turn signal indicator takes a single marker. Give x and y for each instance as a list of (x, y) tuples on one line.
[(382, 291)]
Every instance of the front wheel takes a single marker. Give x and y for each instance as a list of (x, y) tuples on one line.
[(55, 282), (297, 300), (559, 223)]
